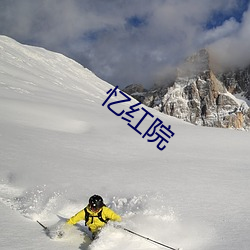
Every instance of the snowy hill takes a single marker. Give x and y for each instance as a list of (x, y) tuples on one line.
[(59, 146)]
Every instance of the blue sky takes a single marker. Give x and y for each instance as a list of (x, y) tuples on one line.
[(131, 41), (218, 17)]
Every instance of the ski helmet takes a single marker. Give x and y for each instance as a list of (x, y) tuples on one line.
[(95, 202)]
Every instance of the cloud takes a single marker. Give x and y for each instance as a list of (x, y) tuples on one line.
[(228, 28), (121, 41), (233, 49)]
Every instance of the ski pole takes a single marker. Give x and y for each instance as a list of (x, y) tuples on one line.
[(45, 228), (146, 238)]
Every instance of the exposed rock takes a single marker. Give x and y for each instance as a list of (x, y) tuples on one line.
[(237, 81), (137, 91), (134, 88), (201, 97)]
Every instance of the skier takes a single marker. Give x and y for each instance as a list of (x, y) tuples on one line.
[(95, 214)]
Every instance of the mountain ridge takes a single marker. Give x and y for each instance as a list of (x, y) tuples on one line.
[(201, 95)]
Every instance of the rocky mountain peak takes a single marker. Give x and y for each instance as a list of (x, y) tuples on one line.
[(196, 64), (200, 96)]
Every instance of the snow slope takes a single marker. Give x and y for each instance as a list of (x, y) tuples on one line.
[(59, 146)]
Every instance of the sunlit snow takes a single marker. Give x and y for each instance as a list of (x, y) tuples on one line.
[(59, 146)]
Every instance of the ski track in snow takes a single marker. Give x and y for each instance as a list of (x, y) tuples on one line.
[(145, 214)]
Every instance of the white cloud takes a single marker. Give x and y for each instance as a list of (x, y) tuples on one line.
[(228, 28), (97, 32), (233, 50)]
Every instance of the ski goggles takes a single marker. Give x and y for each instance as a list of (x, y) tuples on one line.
[(94, 208)]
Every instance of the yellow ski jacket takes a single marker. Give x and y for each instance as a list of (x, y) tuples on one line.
[(94, 223)]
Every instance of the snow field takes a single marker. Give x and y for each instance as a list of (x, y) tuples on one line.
[(59, 146)]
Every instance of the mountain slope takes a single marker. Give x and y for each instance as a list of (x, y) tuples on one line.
[(59, 145)]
